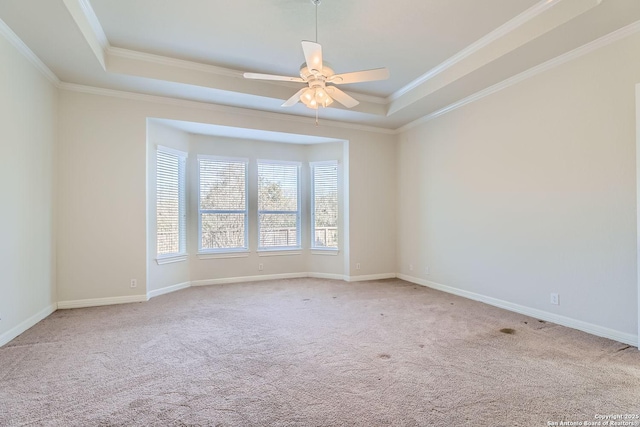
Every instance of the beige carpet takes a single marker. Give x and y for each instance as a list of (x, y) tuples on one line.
[(309, 352)]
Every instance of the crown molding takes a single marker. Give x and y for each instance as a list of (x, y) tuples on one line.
[(27, 53), (173, 62), (92, 18), (87, 22), (367, 98), (15, 41), (211, 69), (531, 72), (97, 33), (217, 107), (483, 42)]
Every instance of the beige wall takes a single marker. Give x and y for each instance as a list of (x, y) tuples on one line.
[(532, 190), (28, 122), (103, 188), (372, 207), (102, 198)]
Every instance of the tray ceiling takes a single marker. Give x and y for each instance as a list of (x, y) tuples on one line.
[(438, 52)]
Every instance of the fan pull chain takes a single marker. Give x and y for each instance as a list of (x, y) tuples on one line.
[(317, 124)]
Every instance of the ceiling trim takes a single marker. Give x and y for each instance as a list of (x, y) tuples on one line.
[(172, 70), (118, 52), (96, 26), (172, 62), (28, 54), (83, 14), (21, 47), (132, 62), (531, 72), (218, 107), (85, 19), (535, 27), (483, 42)]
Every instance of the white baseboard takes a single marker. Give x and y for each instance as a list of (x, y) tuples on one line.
[(96, 302), (241, 279), (569, 322), (221, 281), (23, 326), (528, 311), (326, 276), (370, 277), (167, 289)]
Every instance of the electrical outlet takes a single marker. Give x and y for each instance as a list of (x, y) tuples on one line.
[(357, 266), (426, 270), (410, 267), (260, 267), (134, 283), (555, 299)]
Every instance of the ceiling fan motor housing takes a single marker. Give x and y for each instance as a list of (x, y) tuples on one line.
[(309, 75)]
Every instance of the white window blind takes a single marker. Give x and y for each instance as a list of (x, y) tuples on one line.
[(278, 205), (222, 203), (324, 211), (171, 212)]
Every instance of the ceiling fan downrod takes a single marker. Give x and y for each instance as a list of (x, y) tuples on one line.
[(316, 3)]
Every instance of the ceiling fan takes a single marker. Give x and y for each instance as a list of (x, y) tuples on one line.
[(317, 74)]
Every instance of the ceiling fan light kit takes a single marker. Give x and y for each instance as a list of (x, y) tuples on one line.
[(316, 74), (314, 98)]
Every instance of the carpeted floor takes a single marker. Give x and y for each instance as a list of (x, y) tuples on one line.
[(311, 352)]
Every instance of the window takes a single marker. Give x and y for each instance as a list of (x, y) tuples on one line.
[(278, 205), (324, 209), (222, 206), (171, 215)]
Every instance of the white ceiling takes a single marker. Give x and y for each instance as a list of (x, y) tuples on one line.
[(407, 36), (438, 51)]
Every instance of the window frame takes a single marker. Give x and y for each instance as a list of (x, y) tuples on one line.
[(182, 254), (245, 248), (312, 228), (298, 211)]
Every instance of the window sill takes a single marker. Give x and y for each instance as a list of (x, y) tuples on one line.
[(171, 259), (328, 251), (223, 255), (279, 252)]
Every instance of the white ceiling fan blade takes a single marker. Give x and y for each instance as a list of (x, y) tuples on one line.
[(342, 97), (360, 76), (313, 56), (259, 76), (295, 98)]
